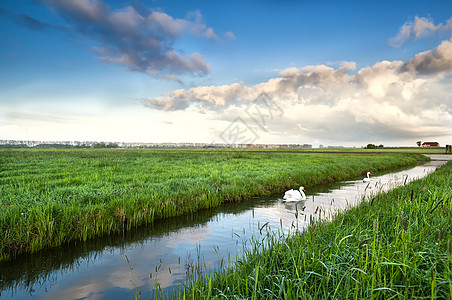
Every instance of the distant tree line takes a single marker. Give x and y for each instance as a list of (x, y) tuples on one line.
[(15, 144), (138, 145), (372, 146)]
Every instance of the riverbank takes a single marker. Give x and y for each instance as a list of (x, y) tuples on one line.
[(393, 246), (52, 197)]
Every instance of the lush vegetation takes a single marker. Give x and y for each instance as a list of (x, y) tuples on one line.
[(48, 197), (394, 246), (427, 150), (372, 146)]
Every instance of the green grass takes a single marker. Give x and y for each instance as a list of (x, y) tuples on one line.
[(394, 246), (49, 197), (419, 150), (426, 150)]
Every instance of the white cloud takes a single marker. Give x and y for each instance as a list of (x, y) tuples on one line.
[(210, 34), (391, 99), (432, 61), (230, 35), (136, 36), (420, 28)]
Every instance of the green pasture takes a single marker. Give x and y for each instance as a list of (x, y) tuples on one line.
[(49, 197)]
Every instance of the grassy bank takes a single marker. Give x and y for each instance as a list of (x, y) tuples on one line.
[(51, 197), (395, 246)]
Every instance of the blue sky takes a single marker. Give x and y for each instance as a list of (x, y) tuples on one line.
[(332, 72)]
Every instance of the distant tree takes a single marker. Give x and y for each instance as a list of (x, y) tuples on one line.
[(112, 145), (372, 146), (418, 143), (99, 145)]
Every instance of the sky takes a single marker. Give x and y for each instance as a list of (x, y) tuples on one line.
[(340, 73)]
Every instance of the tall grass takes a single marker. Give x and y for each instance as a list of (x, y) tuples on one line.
[(51, 197), (394, 246)]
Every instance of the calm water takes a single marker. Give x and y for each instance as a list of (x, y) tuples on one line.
[(167, 253)]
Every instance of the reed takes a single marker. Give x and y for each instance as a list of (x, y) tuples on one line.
[(394, 247), (49, 197)]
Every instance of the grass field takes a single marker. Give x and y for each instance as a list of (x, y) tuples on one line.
[(395, 246), (48, 197), (419, 150)]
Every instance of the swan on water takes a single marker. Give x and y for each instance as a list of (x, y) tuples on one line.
[(294, 195), (367, 179)]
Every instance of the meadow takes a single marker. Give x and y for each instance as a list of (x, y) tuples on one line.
[(49, 197), (419, 150), (395, 245)]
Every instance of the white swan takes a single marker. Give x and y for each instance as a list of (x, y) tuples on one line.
[(294, 195), (367, 179)]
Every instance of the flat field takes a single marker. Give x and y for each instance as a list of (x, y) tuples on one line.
[(48, 197), (419, 150)]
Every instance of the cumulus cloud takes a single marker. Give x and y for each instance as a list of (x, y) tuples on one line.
[(230, 35), (138, 37), (432, 61), (391, 99), (310, 79), (420, 28)]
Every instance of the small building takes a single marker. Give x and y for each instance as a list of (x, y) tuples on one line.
[(430, 144)]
